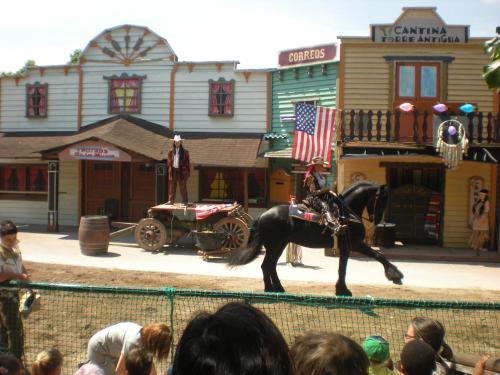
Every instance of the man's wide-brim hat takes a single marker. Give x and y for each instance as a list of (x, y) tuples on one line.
[(318, 160), (177, 138)]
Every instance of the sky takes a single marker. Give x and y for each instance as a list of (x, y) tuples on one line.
[(251, 32)]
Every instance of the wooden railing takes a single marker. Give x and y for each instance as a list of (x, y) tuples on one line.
[(414, 127)]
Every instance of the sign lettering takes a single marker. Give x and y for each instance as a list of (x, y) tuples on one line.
[(307, 55)]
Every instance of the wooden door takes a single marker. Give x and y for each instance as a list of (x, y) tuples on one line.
[(102, 182), (417, 83), (408, 206), (142, 190)]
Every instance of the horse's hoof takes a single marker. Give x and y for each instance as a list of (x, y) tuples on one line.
[(343, 292), (397, 281), (393, 274)]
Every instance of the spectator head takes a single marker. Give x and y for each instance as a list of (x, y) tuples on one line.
[(418, 358), (138, 362), (427, 329), (376, 348), (156, 339), (236, 339), (8, 233), (90, 369), (10, 365), (48, 362), (324, 353)]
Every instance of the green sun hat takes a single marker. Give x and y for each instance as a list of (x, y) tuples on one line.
[(376, 348)]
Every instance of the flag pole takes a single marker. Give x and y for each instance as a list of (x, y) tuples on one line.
[(336, 153)]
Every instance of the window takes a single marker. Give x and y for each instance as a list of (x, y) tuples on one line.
[(417, 80), (124, 93), (226, 184), (23, 179), (36, 100), (221, 97)]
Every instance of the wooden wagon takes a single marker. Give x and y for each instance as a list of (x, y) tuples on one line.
[(218, 229)]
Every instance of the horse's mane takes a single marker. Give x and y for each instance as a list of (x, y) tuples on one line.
[(364, 183)]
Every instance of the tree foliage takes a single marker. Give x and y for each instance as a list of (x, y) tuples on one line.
[(21, 72), (491, 71), (75, 56)]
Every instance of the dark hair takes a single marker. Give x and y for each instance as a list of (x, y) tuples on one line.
[(325, 353), (432, 332), (9, 365), (480, 203), (236, 339), (7, 227), (138, 362), (418, 358)]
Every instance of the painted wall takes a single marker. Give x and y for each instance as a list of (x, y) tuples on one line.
[(297, 84), (192, 99), (456, 232), (62, 101), (368, 78)]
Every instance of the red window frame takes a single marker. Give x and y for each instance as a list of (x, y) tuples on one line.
[(221, 98), (36, 100), (418, 74)]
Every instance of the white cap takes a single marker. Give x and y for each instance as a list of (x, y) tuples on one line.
[(177, 138)]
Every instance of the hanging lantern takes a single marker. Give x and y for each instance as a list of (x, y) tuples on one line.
[(440, 107), (406, 107), (452, 130), (467, 108)]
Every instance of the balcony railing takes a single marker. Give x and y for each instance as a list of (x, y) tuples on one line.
[(414, 127)]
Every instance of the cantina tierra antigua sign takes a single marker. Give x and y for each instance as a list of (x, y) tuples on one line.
[(419, 25)]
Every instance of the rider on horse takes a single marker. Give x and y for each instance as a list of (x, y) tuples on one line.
[(321, 198)]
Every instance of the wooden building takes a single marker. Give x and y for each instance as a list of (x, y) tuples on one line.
[(92, 137), (421, 60), (305, 75)]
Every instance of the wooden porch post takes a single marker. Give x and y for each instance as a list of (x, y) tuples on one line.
[(493, 203), (53, 195), (245, 189), (160, 182)]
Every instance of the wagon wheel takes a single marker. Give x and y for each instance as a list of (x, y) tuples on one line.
[(236, 231), (150, 234), (246, 218)]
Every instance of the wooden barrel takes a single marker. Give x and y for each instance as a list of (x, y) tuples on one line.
[(93, 234)]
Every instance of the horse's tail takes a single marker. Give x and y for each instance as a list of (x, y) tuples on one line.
[(251, 251)]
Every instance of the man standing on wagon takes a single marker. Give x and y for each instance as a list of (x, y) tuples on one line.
[(178, 170)]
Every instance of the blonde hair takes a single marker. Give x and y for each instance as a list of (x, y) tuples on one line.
[(156, 339), (46, 362)]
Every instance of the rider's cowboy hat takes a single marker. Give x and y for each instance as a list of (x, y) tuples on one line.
[(177, 138), (318, 160)]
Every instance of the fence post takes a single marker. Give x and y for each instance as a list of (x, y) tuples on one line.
[(379, 124), (388, 126), (369, 125), (361, 115)]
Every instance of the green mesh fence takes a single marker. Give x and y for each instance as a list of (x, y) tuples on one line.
[(70, 314)]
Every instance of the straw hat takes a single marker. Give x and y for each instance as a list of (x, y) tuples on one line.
[(318, 160)]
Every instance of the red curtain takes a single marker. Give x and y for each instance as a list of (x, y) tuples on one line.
[(228, 89), (37, 101), (214, 87), (115, 84)]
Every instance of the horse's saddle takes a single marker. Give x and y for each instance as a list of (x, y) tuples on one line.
[(301, 211)]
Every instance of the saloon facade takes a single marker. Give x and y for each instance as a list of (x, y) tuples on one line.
[(419, 59), (92, 138)]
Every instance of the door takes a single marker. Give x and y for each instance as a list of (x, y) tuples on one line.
[(417, 83), (102, 188), (416, 201), (142, 190)]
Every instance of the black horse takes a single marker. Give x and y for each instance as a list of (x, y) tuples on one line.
[(274, 229)]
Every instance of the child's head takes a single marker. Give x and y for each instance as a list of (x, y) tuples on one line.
[(418, 358), (138, 362), (376, 348), (48, 362), (10, 365)]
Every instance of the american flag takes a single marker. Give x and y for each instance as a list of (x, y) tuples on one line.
[(313, 132)]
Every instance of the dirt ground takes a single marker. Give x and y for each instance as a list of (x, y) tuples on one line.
[(54, 273)]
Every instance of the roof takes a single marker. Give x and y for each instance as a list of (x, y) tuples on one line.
[(227, 152), (142, 137)]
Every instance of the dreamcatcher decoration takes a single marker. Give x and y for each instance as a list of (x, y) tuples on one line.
[(452, 143)]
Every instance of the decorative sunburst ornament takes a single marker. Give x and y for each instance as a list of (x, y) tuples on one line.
[(127, 48)]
